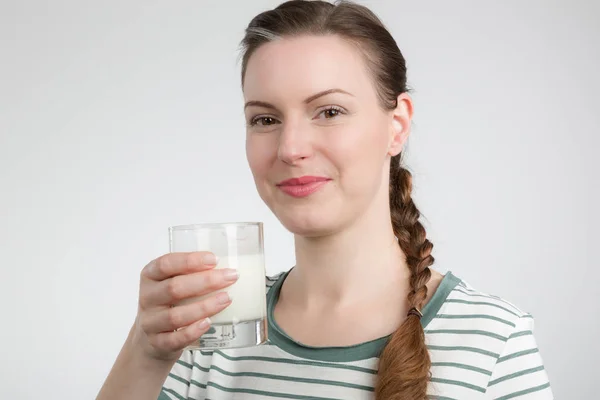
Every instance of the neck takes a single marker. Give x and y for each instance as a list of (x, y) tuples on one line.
[(360, 262)]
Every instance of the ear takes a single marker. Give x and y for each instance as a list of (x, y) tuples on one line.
[(400, 124)]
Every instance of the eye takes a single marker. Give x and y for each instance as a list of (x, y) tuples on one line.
[(263, 121), (331, 112)]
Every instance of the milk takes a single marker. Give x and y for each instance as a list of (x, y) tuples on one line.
[(248, 293)]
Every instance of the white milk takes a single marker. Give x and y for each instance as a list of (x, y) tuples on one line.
[(248, 293)]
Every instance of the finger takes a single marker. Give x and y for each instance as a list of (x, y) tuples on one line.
[(172, 264), (172, 318), (175, 341), (173, 290)]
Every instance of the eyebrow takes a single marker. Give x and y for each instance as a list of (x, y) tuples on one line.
[(308, 100)]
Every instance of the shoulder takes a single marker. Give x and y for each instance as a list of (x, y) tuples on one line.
[(469, 316), (470, 298), (492, 341), (272, 280), (481, 323), (498, 316), (484, 311)]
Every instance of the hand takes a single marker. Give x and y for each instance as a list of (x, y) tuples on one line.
[(162, 328)]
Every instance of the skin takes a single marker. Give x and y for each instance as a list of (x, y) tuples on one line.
[(160, 331), (348, 261)]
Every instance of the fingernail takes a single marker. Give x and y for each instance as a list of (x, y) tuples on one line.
[(231, 274), (205, 323), (210, 259), (223, 298)]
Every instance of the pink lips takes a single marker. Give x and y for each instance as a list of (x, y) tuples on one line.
[(302, 186)]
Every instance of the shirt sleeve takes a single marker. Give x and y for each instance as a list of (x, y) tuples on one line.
[(519, 372), (177, 384)]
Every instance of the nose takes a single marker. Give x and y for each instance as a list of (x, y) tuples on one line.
[(294, 144)]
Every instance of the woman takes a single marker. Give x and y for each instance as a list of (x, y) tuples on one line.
[(361, 315)]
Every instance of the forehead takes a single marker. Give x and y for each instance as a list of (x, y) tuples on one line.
[(299, 67)]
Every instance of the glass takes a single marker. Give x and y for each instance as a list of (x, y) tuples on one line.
[(238, 245)]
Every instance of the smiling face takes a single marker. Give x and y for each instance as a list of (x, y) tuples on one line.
[(312, 112)]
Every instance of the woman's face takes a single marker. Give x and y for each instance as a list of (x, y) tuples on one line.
[(312, 113)]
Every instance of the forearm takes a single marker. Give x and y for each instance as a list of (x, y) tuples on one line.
[(134, 376)]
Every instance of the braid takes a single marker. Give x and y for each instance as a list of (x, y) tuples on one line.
[(404, 365), (411, 235)]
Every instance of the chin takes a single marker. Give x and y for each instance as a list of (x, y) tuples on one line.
[(320, 214), (308, 230), (308, 222)]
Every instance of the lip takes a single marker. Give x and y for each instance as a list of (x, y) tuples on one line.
[(302, 186), (302, 180)]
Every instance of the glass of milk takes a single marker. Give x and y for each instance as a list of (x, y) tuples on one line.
[(238, 245)]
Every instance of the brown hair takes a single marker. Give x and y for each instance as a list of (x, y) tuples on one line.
[(404, 363)]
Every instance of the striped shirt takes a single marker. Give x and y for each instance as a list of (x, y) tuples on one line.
[(481, 347)]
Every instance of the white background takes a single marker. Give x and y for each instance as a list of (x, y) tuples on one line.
[(120, 118)]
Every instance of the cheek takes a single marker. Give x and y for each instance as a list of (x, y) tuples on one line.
[(360, 147), (359, 155), (260, 155)]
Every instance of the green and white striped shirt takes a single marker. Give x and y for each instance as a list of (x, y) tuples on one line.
[(481, 347)]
